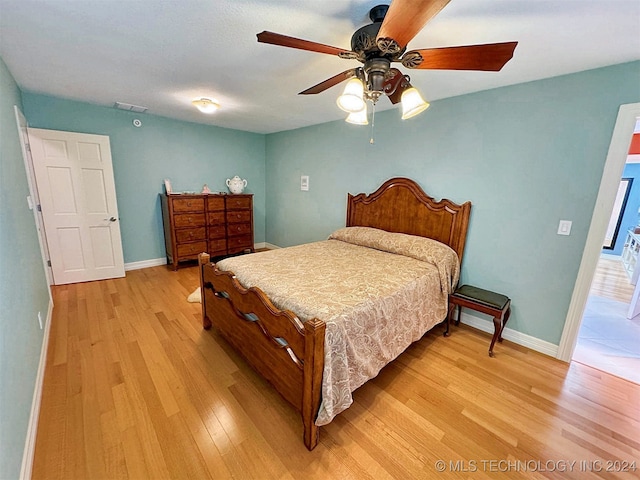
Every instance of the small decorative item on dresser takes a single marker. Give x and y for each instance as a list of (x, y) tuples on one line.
[(205, 189), (236, 184), (167, 185)]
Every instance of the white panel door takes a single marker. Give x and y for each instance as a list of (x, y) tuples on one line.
[(74, 174)]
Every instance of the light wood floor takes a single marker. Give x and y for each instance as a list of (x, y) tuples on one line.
[(611, 281), (134, 388)]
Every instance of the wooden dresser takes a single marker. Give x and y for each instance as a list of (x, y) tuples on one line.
[(215, 223)]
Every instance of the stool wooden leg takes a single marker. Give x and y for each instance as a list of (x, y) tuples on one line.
[(459, 312), (497, 330), (507, 314)]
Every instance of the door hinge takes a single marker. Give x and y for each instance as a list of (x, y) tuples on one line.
[(39, 207), (48, 263)]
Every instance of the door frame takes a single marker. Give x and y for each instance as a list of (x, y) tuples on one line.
[(611, 175), (34, 200)]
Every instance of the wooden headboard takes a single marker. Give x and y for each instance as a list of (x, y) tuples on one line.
[(400, 205)]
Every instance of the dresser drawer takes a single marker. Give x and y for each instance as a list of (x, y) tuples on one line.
[(239, 229), (215, 203), (239, 202), (189, 220), (188, 204), (238, 216), (218, 247), (238, 244), (215, 218), (191, 249), (217, 231), (191, 234)]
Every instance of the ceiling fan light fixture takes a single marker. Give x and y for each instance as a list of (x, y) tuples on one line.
[(351, 99), (358, 118), (412, 103), (206, 105)]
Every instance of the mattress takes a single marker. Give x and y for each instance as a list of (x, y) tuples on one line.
[(377, 292)]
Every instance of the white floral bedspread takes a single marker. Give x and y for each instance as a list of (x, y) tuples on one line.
[(377, 292)]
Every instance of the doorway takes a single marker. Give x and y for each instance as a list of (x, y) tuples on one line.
[(613, 172), (609, 337)]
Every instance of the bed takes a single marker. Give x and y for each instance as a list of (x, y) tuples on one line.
[(319, 320)]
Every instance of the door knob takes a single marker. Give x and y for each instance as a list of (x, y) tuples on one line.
[(112, 219)]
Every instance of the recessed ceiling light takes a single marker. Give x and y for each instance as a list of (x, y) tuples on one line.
[(206, 105)]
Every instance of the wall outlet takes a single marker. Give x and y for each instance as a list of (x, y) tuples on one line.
[(304, 183), (40, 319)]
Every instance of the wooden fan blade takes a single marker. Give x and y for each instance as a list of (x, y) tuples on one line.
[(330, 82), (490, 57), (291, 42), (405, 18)]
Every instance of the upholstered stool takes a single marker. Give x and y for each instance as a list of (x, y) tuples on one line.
[(484, 301)]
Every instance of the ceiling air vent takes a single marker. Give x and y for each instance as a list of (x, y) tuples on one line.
[(130, 108)]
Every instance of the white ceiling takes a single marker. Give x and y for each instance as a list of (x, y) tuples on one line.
[(163, 53)]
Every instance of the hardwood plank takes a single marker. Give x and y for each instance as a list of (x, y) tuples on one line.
[(611, 281), (134, 388)]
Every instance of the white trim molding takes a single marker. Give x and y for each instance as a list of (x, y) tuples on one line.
[(32, 428), (514, 336), (153, 262)]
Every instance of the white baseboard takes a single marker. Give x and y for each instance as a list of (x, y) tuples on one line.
[(32, 428), (608, 256), (514, 336), (154, 262)]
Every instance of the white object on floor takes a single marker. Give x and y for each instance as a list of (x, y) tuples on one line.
[(195, 297)]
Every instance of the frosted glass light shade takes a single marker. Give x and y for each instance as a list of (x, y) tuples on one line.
[(351, 99), (412, 103), (358, 118), (206, 105)]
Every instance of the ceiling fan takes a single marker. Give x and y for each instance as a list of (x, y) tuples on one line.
[(383, 42)]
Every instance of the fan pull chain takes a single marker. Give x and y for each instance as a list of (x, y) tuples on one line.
[(373, 121)]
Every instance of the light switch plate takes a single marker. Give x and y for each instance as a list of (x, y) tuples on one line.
[(304, 183), (564, 228)]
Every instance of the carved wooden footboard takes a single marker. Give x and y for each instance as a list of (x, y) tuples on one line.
[(286, 352)]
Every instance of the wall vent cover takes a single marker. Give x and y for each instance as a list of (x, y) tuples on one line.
[(130, 108)]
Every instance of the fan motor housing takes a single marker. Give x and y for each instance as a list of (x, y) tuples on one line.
[(363, 41)]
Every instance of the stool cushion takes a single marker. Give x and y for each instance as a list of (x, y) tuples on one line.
[(485, 297)]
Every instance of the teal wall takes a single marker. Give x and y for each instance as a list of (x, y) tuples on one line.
[(23, 287), (526, 156), (189, 154)]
